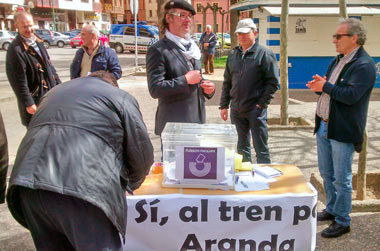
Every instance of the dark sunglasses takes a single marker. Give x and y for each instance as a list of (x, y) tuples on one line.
[(339, 36)]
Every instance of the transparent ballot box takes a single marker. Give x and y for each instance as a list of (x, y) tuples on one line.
[(199, 155)]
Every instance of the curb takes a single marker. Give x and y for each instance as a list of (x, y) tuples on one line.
[(369, 205)]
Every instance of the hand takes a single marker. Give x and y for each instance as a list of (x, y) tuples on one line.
[(316, 85), (258, 106), (208, 87), (224, 114), (31, 109), (205, 44), (193, 77)]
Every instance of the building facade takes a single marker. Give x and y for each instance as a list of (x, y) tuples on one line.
[(310, 30)]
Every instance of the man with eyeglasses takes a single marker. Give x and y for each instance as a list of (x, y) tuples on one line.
[(174, 70), (341, 119)]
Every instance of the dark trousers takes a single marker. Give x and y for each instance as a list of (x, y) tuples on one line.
[(254, 123), (208, 61), (61, 222)]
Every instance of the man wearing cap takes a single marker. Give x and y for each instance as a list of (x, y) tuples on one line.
[(174, 70), (250, 81)]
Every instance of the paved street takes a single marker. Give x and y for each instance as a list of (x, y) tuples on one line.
[(287, 146)]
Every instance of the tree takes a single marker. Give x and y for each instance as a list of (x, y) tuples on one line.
[(234, 18), (160, 6), (284, 120)]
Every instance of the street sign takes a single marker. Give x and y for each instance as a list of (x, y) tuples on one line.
[(134, 4)]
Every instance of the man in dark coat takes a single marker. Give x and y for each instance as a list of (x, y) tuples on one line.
[(28, 67), (94, 56), (250, 81), (340, 120), (208, 43), (85, 147), (173, 70), (3, 160)]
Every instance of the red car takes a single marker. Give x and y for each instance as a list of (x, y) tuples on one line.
[(77, 40)]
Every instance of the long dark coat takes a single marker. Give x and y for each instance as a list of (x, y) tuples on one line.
[(29, 74), (178, 101)]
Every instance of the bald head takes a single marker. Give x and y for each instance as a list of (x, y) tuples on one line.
[(24, 24)]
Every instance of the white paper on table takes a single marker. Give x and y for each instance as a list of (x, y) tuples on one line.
[(245, 181), (267, 171)]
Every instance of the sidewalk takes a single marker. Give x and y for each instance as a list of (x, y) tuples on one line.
[(296, 147)]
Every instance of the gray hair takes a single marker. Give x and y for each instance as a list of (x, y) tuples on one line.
[(20, 14), (355, 27), (208, 26), (92, 29)]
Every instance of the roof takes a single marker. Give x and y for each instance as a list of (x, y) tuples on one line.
[(324, 11)]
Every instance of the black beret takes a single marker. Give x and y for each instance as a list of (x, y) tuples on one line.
[(179, 4)]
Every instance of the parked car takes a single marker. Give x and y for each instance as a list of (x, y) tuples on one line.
[(227, 40), (70, 34), (122, 37), (46, 35), (5, 39), (60, 40), (13, 33), (77, 40)]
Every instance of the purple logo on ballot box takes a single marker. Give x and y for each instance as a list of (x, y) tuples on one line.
[(200, 162)]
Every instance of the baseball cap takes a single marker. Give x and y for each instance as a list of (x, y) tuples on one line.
[(245, 25), (179, 4)]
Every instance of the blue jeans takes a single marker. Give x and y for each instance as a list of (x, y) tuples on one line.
[(255, 123), (334, 162)]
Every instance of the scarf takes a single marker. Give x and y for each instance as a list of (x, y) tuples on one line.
[(191, 52)]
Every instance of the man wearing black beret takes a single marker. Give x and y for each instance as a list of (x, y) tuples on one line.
[(174, 70)]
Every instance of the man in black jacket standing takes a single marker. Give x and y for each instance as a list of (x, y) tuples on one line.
[(250, 81), (340, 120), (85, 147), (28, 67), (174, 70)]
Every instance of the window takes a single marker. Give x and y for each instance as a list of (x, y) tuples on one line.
[(150, 13), (145, 33), (199, 27), (199, 7), (1, 33), (129, 31)]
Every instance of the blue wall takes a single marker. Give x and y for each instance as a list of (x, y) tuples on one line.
[(303, 68)]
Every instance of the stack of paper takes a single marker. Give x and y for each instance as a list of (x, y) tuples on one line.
[(267, 171)]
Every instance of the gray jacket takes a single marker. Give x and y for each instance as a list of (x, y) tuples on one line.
[(249, 79), (86, 140)]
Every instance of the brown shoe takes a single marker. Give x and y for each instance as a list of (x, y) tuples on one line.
[(205, 72)]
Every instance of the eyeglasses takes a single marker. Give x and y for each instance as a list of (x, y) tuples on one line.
[(182, 15), (339, 36)]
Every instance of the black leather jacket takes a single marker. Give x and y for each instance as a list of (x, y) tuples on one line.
[(3, 160), (86, 140), (249, 79)]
